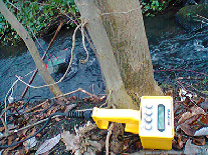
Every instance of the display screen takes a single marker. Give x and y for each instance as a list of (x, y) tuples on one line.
[(161, 117)]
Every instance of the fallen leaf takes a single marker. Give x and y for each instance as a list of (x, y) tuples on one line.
[(202, 132), (20, 152), (60, 102), (11, 126), (46, 153), (197, 110), (204, 120), (69, 107), (194, 149), (184, 117), (193, 111), (200, 101), (48, 144), (45, 105), (30, 143), (204, 105), (180, 142), (199, 141), (187, 129), (71, 141), (125, 144), (57, 119), (95, 145), (1, 128)]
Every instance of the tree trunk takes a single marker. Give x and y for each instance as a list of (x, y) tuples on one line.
[(31, 47), (124, 24), (104, 53), (117, 27)]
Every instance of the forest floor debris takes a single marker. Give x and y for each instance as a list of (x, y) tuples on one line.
[(77, 136)]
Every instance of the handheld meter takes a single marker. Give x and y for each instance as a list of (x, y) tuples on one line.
[(154, 122), (156, 129)]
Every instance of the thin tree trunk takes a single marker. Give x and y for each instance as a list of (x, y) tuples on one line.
[(31, 47)]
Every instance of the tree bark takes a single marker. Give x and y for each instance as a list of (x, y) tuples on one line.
[(31, 47), (124, 24), (104, 53), (117, 29)]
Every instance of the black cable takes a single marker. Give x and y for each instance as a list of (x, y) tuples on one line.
[(21, 141), (76, 114)]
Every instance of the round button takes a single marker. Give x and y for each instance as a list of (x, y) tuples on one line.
[(149, 112), (149, 106), (148, 119), (148, 127)]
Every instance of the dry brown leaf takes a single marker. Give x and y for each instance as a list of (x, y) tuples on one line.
[(57, 119), (69, 107), (61, 102), (10, 139), (71, 141), (204, 105), (38, 135), (200, 101), (187, 129), (184, 117), (45, 105), (180, 142), (95, 145), (20, 152), (46, 153), (204, 120), (194, 111), (1, 128), (197, 110), (199, 141), (48, 144), (190, 125)]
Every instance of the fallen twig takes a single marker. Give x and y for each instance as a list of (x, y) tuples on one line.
[(107, 141), (5, 126), (107, 100), (83, 42), (37, 106), (75, 91)]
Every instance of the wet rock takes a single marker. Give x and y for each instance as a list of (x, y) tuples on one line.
[(193, 17), (194, 2)]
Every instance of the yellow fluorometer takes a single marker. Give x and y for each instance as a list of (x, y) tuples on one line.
[(154, 122)]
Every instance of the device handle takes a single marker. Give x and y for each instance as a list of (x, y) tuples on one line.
[(129, 117)]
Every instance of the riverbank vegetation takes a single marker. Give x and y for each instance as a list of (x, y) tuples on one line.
[(36, 16), (39, 16)]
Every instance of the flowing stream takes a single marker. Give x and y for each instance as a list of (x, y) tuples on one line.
[(171, 47)]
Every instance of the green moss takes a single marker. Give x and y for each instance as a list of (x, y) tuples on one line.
[(35, 16), (188, 16)]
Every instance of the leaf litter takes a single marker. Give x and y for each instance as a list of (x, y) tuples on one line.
[(48, 145), (80, 137)]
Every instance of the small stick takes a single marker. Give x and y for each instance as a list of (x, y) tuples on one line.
[(107, 100), (107, 141), (78, 90), (5, 126), (37, 106)]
